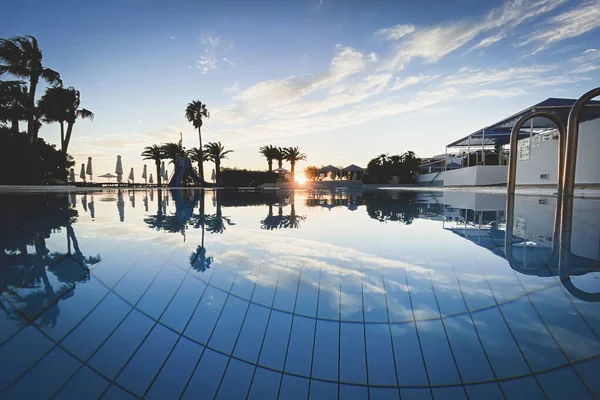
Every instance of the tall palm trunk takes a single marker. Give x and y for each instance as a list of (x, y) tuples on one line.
[(14, 125), (270, 165), (157, 162), (200, 163), (31, 131), (62, 137), (293, 165), (218, 171), (280, 163), (68, 136)]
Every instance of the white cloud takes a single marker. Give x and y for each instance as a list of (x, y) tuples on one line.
[(401, 83), (584, 18), (468, 76), (585, 68), (488, 41), (206, 63), (235, 88), (497, 93), (172, 37), (373, 57), (395, 32), (226, 60), (586, 56), (210, 40), (433, 43)]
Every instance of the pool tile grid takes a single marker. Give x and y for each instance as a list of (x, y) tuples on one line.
[(195, 368), (540, 317), (58, 343), (113, 381), (363, 310)]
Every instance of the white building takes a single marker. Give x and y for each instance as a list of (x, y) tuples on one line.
[(483, 154)]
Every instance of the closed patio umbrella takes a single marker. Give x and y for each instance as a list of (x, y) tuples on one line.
[(119, 169), (121, 206), (82, 173), (72, 175), (88, 170), (213, 176), (131, 176), (145, 173), (166, 176), (151, 180), (91, 207)]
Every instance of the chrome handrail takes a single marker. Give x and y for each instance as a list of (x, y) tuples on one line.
[(511, 180), (567, 183)]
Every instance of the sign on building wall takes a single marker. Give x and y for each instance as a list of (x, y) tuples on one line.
[(536, 141), (546, 137), (524, 149)]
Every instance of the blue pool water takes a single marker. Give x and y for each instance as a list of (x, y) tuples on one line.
[(320, 295)]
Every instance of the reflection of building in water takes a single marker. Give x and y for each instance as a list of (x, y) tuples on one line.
[(329, 199), (481, 219)]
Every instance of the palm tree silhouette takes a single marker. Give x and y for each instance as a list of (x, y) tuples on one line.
[(280, 156), (155, 153), (21, 57), (293, 154), (196, 155), (216, 223), (271, 153), (216, 152), (172, 150), (62, 105), (195, 112), (13, 103)]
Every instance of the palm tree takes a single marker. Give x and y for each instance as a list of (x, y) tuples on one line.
[(215, 152), (62, 105), (293, 154), (21, 57), (172, 150), (280, 156), (13, 101), (156, 153), (271, 153), (195, 112), (196, 155)]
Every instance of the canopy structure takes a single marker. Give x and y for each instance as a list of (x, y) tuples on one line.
[(499, 133), (352, 168), (329, 168)]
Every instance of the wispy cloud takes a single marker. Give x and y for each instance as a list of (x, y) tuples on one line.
[(585, 68), (228, 62), (401, 83), (433, 43), (488, 41), (235, 88), (587, 56), (206, 63), (210, 40), (577, 21), (395, 32)]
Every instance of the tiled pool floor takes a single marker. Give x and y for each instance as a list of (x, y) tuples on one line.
[(292, 296)]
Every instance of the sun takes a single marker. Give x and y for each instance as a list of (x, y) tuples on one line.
[(300, 178)]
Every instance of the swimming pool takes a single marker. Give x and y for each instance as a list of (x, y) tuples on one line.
[(295, 295)]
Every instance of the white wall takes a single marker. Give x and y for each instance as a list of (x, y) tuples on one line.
[(482, 175), (544, 159)]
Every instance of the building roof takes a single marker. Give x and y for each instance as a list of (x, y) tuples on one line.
[(499, 133), (329, 168), (353, 168)]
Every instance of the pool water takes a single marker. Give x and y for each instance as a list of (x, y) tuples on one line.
[(294, 295)]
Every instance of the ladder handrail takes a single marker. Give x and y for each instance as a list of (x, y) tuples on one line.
[(514, 138), (570, 162)]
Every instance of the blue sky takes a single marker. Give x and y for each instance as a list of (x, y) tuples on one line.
[(345, 80)]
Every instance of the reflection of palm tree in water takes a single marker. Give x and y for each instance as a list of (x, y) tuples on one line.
[(216, 223), (280, 221), (198, 259), (33, 294)]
